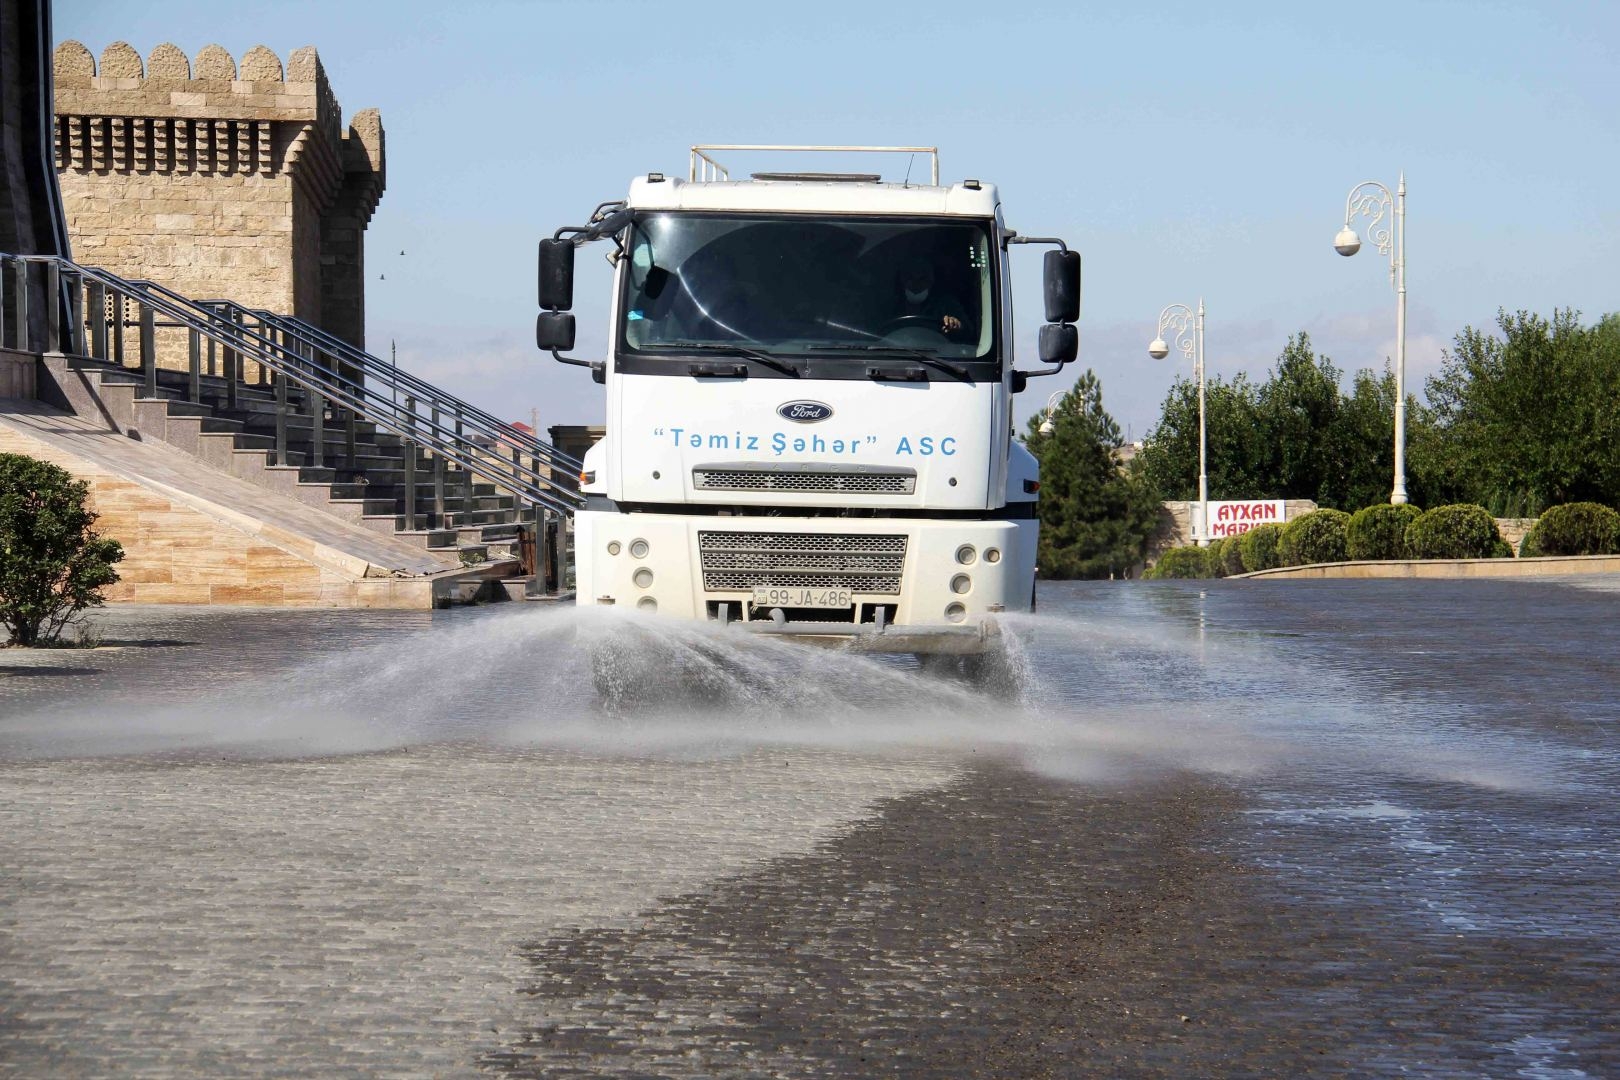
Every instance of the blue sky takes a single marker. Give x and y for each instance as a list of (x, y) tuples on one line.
[(1184, 149)]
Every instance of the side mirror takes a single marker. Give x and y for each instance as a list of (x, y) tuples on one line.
[(1059, 343), (554, 331), (1062, 281), (557, 278)]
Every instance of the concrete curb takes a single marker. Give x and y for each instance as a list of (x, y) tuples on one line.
[(1541, 566)]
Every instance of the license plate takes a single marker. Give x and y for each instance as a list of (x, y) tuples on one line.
[(765, 596)]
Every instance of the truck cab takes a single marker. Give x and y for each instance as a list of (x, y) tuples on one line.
[(809, 392)]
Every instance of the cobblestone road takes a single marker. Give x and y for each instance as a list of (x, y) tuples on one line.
[(1346, 829)]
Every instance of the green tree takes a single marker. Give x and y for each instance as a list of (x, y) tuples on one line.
[(1238, 459), (1363, 442), (1528, 419), (1298, 435), (1096, 517), (1300, 408), (53, 564)]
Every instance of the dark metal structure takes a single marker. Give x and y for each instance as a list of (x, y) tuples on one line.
[(31, 217)]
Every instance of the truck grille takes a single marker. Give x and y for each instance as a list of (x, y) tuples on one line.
[(743, 560), (848, 482)]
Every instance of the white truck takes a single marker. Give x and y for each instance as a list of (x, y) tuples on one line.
[(809, 406)]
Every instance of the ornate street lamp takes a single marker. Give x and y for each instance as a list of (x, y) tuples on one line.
[(1373, 200), (1051, 405), (1186, 329)]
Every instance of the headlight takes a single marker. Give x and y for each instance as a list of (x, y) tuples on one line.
[(960, 584), (966, 554), (955, 612), (643, 578), (639, 549)]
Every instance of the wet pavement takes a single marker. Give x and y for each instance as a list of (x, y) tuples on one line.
[(1236, 829)]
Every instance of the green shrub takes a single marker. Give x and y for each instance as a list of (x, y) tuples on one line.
[(53, 565), (1459, 531), (1232, 556), (1214, 561), (1258, 548), (1583, 528), (1316, 537), (1181, 562), (1379, 532)]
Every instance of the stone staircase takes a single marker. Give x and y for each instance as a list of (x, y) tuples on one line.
[(363, 484), (285, 407)]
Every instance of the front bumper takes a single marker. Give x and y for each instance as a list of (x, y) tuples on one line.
[(940, 640)]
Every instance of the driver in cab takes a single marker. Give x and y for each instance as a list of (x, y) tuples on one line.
[(922, 303)]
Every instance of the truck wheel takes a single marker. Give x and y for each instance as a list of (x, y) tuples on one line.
[(993, 672)]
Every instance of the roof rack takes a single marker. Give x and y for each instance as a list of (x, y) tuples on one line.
[(704, 168)]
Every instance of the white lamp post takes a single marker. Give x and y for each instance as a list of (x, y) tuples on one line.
[(1187, 333), (1373, 200), (1051, 404)]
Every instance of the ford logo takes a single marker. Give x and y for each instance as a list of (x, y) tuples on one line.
[(804, 412)]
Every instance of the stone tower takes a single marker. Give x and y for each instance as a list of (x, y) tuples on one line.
[(220, 180)]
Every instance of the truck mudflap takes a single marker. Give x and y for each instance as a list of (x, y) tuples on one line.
[(933, 640)]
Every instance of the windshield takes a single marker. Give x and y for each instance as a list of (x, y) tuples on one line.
[(801, 286)]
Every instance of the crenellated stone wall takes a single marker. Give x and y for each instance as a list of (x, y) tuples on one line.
[(220, 179)]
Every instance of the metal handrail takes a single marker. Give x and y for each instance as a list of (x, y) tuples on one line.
[(407, 422), (323, 382), (529, 443), (390, 376), (706, 167)]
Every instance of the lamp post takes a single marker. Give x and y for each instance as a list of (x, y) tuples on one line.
[(1051, 405), (1373, 200), (1186, 329)]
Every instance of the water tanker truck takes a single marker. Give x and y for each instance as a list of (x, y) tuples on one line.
[(809, 388)]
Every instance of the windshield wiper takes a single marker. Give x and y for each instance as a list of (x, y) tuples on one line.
[(734, 350), (898, 352)]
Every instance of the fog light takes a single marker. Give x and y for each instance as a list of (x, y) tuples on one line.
[(614, 547), (992, 555), (960, 584), (965, 554), (639, 549), (646, 603), (643, 578), (955, 612)]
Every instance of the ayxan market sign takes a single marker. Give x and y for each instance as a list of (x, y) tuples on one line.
[(1233, 518)]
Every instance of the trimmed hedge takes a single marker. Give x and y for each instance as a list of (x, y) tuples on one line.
[(1379, 532), (1583, 528), (1316, 537), (1181, 562), (1215, 558), (1232, 556), (1459, 531), (1258, 548)]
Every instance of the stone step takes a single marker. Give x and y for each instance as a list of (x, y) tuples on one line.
[(430, 539), (454, 517), (520, 588), (501, 515), (360, 486), (502, 532)]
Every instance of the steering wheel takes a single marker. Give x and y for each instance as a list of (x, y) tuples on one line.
[(902, 322)]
